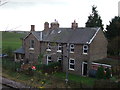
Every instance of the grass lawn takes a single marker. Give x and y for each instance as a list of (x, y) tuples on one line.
[(76, 78), (12, 40)]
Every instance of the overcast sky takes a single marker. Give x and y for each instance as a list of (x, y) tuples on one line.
[(20, 14)]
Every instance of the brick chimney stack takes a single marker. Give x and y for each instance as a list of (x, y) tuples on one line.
[(32, 27), (74, 25), (54, 25), (46, 26)]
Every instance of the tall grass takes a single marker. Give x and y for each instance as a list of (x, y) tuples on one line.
[(10, 65)]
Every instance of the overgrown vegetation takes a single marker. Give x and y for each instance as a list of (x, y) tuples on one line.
[(100, 73), (103, 73), (10, 65), (41, 77), (50, 68)]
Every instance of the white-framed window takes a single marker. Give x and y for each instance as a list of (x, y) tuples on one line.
[(31, 44), (72, 46), (59, 59), (59, 49), (71, 64), (49, 59), (85, 49), (48, 47)]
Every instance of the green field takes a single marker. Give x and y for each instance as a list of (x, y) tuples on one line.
[(11, 40)]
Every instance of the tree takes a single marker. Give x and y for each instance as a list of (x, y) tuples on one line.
[(113, 29), (100, 73), (94, 20), (113, 35), (114, 46)]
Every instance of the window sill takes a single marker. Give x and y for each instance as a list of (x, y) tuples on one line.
[(31, 48), (48, 50), (59, 51), (85, 53), (71, 52), (71, 69)]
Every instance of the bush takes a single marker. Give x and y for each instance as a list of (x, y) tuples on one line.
[(100, 73), (108, 73), (52, 67)]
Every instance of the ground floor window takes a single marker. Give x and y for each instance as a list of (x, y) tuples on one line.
[(59, 59), (49, 59), (71, 64)]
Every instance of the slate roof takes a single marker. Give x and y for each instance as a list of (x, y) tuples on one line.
[(67, 35), (20, 50)]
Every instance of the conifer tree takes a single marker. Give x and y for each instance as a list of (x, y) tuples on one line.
[(94, 20)]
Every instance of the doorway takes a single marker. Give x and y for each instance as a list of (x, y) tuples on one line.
[(84, 68)]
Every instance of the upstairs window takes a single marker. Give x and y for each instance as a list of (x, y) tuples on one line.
[(59, 48), (31, 44), (71, 64), (48, 47), (59, 59), (85, 49), (49, 59), (72, 48)]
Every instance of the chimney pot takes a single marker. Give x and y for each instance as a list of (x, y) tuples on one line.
[(46, 26), (55, 24), (74, 25), (32, 27)]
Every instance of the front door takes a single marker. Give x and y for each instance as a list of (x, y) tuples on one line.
[(84, 68)]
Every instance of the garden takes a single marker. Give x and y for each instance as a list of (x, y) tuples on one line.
[(49, 76)]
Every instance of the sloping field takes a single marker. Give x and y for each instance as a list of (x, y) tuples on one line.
[(11, 40)]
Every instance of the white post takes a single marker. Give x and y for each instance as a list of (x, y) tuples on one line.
[(82, 67)]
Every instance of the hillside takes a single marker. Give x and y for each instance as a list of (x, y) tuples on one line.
[(11, 40)]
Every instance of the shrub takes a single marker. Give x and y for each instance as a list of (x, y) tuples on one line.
[(108, 73), (100, 73), (52, 67)]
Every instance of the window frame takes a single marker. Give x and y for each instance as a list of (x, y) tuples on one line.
[(71, 64), (72, 48), (32, 44), (85, 49), (58, 59), (48, 60), (58, 47)]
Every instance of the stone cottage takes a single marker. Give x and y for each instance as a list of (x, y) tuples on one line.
[(75, 48)]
